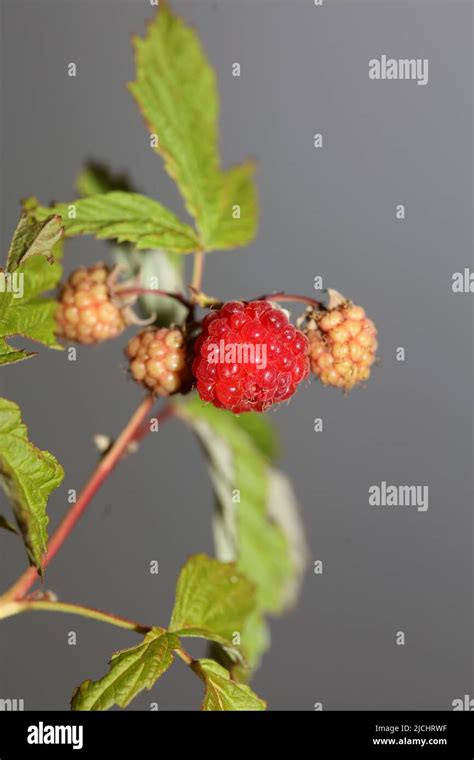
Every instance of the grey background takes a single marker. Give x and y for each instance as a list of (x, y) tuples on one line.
[(328, 212)]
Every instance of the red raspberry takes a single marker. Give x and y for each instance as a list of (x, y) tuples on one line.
[(342, 347), (249, 357), (158, 360), (85, 310)]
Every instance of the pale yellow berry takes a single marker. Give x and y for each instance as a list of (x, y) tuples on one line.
[(159, 361), (342, 346), (85, 312)]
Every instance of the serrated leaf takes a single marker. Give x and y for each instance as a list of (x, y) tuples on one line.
[(176, 91), (213, 600), (165, 266), (33, 238), (223, 694), (235, 219), (32, 269), (262, 532), (27, 476), (9, 355), (126, 218), (28, 314), (131, 671)]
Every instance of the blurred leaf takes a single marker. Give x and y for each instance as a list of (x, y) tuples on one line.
[(222, 693), (97, 178), (131, 671), (257, 522), (27, 476), (176, 91), (157, 270), (263, 434), (126, 218), (213, 600)]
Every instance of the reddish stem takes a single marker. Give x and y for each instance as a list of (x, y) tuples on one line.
[(100, 474), (198, 270), (152, 292), (144, 429), (291, 297)]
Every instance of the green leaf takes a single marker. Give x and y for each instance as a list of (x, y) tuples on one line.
[(32, 238), (235, 219), (176, 91), (9, 355), (25, 312), (126, 218), (131, 671), (213, 600), (32, 269), (4, 523), (263, 434), (223, 694), (164, 266), (262, 532), (255, 641), (27, 476)]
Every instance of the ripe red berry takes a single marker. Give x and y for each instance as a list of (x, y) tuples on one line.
[(158, 360), (342, 346), (249, 357), (85, 310)]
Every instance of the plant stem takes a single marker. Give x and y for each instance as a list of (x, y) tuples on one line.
[(184, 656), (144, 429), (100, 474), (198, 270), (30, 605), (152, 292), (288, 297), (26, 605)]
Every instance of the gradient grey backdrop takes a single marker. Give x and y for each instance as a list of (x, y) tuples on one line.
[(328, 212)]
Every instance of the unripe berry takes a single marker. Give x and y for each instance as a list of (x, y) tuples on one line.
[(158, 361), (342, 346), (85, 310), (249, 357)]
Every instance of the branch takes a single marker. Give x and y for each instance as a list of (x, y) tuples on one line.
[(198, 270), (26, 605), (100, 474), (287, 297)]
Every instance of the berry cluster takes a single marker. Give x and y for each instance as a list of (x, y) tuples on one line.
[(249, 357), (158, 360), (85, 310), (342, 346)]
